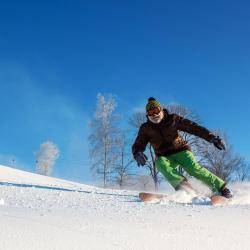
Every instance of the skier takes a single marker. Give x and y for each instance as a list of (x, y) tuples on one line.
[(161, 131)]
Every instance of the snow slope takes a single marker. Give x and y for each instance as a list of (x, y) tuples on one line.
[(38, 212)]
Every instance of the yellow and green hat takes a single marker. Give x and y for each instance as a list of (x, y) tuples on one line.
[(152, 103)]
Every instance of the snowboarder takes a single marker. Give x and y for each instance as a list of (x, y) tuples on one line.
[(171, 150)]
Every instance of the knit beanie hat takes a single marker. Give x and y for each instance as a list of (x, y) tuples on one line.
[(152, 103)]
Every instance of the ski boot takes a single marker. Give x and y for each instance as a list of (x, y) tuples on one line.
[(225, 192)]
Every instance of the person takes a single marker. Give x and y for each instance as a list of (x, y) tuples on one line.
[(171, 150)]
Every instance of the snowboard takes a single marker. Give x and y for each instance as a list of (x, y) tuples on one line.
[(151, 197), (219, 200), (154, 197)]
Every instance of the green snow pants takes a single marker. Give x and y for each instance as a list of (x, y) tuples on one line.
[(167, 165)]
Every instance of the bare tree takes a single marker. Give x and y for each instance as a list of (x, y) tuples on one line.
[(45, 157), (193, 141), (222, 163), (123, 167), (104, 139), (226, 164), (190, 114), (136, 120), (145, 182), (242, 172)]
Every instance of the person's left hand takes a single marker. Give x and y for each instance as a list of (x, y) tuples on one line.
[(218, 143)]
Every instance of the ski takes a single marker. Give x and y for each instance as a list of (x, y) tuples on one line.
[(156, 197)]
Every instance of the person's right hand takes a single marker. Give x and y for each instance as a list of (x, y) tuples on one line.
[(140, 158)]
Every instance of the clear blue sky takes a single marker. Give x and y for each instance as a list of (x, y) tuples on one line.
[(55, 56)]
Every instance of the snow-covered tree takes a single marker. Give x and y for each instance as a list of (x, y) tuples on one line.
[(105, 137), (46, 157)]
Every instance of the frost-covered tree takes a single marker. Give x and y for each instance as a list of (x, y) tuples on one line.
[(104, 139), (46, 157)]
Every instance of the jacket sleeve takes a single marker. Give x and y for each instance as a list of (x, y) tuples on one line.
[(141, 141), (193, 128)]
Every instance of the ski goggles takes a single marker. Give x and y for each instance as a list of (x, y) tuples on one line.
[(154, 111)]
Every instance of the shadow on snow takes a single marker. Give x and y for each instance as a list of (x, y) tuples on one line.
[(60, 189)]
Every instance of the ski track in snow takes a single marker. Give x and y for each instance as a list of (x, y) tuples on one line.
[(38, 212)]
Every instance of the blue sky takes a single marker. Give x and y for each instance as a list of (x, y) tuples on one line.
[(55, 56)]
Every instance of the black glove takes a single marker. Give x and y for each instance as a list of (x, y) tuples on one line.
[(218, 143), (140, 158)]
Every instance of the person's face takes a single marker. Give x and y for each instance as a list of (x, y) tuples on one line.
[(155, 115)]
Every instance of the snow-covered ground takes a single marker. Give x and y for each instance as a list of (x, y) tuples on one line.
[(38, 212)]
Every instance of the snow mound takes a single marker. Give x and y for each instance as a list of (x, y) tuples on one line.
[(39, 212), (11, 175)]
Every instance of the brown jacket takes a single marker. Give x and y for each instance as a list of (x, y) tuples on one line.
[(164, 137)]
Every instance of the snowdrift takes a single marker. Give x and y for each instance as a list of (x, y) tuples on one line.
[(38, 212)]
